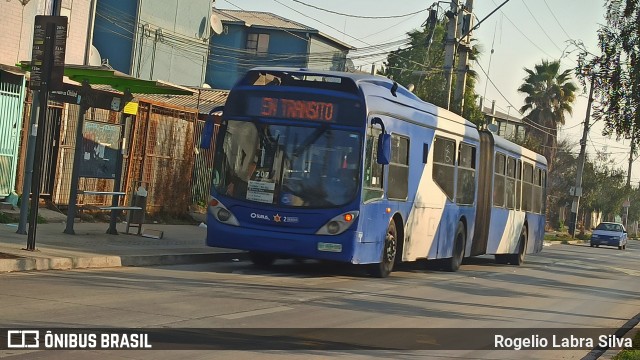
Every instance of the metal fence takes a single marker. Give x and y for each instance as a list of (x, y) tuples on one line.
[(162, 151), (162, 155), (12, 92), (202, 168)]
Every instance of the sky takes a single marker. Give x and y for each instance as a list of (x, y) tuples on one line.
[(522, 34)]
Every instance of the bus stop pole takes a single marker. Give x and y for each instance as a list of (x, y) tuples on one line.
[(75, 177), (118, 176)]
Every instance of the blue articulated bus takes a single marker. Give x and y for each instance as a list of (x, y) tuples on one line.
[(355, 168)]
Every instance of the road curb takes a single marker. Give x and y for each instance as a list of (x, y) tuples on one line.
[(106, 261)]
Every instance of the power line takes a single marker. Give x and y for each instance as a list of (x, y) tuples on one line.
[(359, 16), (409, 60), (524, 118), (523, 34), (557, 21), (540, 26), (277, 27)]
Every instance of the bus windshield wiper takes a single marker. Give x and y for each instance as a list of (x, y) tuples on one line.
[(312, 138)]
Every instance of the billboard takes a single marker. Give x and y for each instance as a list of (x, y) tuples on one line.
[(100, 146)]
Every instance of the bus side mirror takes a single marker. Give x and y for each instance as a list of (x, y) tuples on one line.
[(384, 149), (207, 130), (207, 134)]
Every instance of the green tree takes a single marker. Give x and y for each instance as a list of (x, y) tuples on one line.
[(549, 95), (617, 70), (421, 64), (560, 180)]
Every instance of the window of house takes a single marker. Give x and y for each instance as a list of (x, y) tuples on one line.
[(259, 43), (444, 157)]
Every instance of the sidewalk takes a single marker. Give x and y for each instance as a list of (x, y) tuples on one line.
[(92, 247)]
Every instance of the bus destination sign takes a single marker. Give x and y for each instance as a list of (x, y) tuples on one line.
[(293, 109)]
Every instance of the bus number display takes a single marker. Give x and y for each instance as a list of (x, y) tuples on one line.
[(297, 109)]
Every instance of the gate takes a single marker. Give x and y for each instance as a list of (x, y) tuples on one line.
[(12, 91)]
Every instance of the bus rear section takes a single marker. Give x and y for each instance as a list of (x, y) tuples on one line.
[(511, 208)]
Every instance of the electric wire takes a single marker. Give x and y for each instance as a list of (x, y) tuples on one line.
[(540, 26), (359, 16), (557, 21), (523, 34), (539, 127)]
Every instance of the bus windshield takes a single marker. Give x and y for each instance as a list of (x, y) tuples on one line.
[(286, 165)]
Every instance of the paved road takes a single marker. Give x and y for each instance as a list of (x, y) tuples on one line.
[(566, 286)]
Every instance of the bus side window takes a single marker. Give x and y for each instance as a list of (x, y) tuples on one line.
[(399, 168), (510, 184), (527, 187), (444, 160), (372, 170), (499, 181), (519, 184), (537, 191), (466, 174)]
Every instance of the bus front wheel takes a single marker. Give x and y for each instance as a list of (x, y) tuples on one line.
[(261, 259), (389, 248), (459, 241)]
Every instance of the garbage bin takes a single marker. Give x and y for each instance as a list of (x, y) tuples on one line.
[(135, 218)]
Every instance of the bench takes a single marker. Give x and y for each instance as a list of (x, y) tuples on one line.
[(115, 194), (119, 208)]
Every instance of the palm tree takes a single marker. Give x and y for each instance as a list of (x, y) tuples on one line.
[(549, 95)]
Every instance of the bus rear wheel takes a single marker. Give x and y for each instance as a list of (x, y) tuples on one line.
[(261, 259), (518, 258), (459, 241), (389, 248)]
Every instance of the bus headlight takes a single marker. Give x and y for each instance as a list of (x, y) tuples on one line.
[(333, 227), (224, 215), (338, 224), (221, 213)]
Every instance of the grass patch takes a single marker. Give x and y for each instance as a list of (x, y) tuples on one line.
[(557, 237), (6, 218), (633, 353)]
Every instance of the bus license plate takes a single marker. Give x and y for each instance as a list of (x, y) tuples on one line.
[(331, 247)]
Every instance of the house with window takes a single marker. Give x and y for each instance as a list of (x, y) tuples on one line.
[(250, 38), (509, 126)]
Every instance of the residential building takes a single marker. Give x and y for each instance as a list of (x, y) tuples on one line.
[(155, 40), (16, 28), (508, 126), (250, 38), (16, 39)]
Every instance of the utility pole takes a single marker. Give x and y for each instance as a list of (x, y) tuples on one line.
[(450, 47), (464, 48), (39, 104), (577, 191), (633, 146), (628, 202)]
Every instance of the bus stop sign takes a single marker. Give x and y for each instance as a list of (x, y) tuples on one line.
[(48, 52)]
